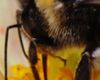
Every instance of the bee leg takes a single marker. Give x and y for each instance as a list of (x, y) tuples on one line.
[(51, 53), (6, 49), (33, 58), (84, 68), (60, 58), (44, 61), (83, 72), (18, 19), (32, 49)]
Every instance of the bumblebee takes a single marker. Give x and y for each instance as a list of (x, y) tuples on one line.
[(56, 25)]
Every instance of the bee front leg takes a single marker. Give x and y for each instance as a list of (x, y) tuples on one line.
[(33, 58), (32, 49), (6, 47)]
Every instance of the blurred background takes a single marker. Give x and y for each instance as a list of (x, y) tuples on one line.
[(7, 18)]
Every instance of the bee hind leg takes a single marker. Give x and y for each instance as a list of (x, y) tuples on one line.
[(83, 71)]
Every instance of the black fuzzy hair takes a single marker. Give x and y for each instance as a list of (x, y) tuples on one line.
[(66, 26), (64, 23)]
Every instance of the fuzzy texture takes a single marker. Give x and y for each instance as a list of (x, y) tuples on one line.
[(61, 23), (68, 25), (64, 23)]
